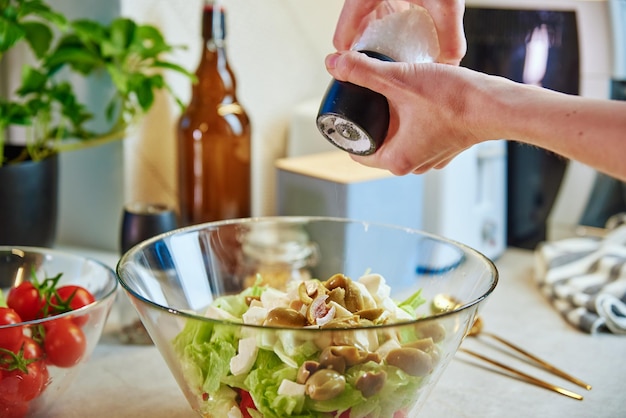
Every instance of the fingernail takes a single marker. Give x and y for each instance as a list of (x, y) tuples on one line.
[(331, 61)]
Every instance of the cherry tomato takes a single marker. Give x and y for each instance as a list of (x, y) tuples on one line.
[(23, 360), (13, 409), (23, 353), (64, 343), (10, 337), (72, 297), (19, 386), (75, 296), (27, 301), (246, 403), (30, 349)]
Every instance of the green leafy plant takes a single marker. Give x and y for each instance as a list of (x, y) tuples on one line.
[(46, 103)]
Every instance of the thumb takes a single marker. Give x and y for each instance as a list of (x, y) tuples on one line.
[(357, 68)]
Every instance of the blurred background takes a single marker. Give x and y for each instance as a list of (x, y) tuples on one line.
[(492, 196)]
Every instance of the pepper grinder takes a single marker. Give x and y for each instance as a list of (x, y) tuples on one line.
[(354, 118)]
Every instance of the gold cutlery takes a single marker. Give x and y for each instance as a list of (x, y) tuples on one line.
[(443, 303)]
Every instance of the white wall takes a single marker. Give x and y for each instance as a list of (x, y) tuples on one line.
[(277, 50)]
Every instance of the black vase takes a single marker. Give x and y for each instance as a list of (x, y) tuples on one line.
[(28, 201)]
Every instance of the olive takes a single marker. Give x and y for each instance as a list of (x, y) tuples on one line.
[(250, 299), (306, 370), (428, 346), (331, 360), (410, 360), (353, 298), (296, 305), (351, 354), (375, 357), (318, 309), (303, 294), (325, 384), (338, 295), (370, 383), (337, 280), (285, 317), (371, 314)]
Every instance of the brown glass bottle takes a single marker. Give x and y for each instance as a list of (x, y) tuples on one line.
[(213, 136)]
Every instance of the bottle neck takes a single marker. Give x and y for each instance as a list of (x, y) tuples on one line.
[(216, 82), (213, 25)]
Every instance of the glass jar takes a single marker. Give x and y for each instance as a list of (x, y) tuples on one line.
[(277, 253)]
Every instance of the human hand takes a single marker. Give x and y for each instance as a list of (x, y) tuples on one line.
[(432, 109), (446, 14)]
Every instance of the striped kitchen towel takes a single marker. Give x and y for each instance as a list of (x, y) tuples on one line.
[(585, 279)]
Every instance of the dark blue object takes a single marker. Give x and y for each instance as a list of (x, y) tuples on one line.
[(28, 200)]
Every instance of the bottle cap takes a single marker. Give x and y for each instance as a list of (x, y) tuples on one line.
[(352, 117)]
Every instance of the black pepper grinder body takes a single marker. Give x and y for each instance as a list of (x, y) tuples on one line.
[(355, 118)]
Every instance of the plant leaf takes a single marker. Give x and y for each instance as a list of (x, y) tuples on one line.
[(89, 31), (111, 109), (39, 37), (80, 59), (126, 50), (33, 81), (10, 34), (13, 114), (143, 90), (148, 42), (42, 10), (173, 67), (122, 33), (119, 78), (108, 49)]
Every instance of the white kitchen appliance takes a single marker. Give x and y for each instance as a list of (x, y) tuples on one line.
[(466, 200)]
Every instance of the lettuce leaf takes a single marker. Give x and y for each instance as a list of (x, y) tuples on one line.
[(410, 304), (205, 350), (236, 304), (263, 383), (349, 398), (398, 393)]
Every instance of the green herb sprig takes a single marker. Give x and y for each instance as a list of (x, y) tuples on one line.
[(130, 54)]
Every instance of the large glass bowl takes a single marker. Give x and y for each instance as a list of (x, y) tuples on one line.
[(271, 366), (33, 378)]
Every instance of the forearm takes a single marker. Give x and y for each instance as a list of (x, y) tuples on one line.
[(588, 130)]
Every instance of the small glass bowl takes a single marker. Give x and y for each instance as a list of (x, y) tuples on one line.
[(19, 264)]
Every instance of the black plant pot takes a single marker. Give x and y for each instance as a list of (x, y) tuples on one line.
[(28, 201)]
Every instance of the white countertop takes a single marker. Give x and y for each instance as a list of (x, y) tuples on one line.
[(133, 381)]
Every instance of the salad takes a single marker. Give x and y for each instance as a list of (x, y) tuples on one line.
[(282, 365)]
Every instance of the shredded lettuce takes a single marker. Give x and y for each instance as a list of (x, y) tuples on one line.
[(398, 392), (236, 304), (410, 304), (205, 350), (263, 382)]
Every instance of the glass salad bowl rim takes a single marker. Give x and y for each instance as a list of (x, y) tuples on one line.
[(66, 254), (305, 219)]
